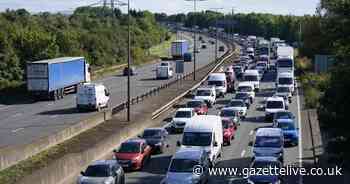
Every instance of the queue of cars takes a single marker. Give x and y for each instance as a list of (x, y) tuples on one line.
[(203, 135)]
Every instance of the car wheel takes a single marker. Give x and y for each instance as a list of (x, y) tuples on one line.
[(161, 149), (229, 142)]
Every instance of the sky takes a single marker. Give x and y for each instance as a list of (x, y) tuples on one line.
[(293, 7)]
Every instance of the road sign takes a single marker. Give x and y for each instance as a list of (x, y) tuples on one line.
[(180, 67)]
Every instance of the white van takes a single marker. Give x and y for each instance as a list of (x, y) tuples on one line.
[(92, 96), (247, 87), (219, 81), (274, 104), (253, 77), (208, 94), (164, 71), (204, 132), (286, 79)]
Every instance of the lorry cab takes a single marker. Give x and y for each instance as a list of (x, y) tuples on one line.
[(219, 81), (253, 77), (204, 132), (164, 71), (92, 96)]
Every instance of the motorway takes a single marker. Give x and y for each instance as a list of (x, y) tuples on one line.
[(22, 123), (238, 154)]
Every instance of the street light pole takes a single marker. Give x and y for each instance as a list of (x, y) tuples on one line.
[(129, 58), (194, 37), (217, 32)]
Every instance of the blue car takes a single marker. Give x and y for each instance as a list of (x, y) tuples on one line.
[(290, 132), (260, 163)]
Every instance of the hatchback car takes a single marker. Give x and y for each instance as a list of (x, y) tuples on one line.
[(199, 106), (132, 71), (229, 130), (240, 106), (283, 115), (290, 132), (102, 172), (156, 138), (262, 163), (182, 165), (133, 154), (233, 114), (245, 97)]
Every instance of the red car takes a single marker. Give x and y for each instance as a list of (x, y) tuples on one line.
[(199, 106), (133, 154), (229, 130)]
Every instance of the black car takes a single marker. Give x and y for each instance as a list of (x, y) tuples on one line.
[(156, 138), (132, 71), (245, 97)]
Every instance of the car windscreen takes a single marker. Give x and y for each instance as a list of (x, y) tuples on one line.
[(268, 141), (261, 64), (245, 89), (228, 113), (274, 105), (183, 114), (225, 123), (216, 83), (194, 104), (203, 93), (196, 139), (285, 81), (97, 171), (237, 103), (241, 96), (283, 115), (182, 165), (283, 90), (251, 78), (130, 147), (285, 63), (286, 126), (151, 134)]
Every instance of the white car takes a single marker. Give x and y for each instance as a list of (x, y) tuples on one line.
[(247, 87), (240, 106), (284, 92), (253, 77), (274, 104), (181, 117), (207, 94)]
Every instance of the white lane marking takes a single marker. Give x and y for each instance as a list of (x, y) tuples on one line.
[(243, 153), (16, 130), (300, 137), (49, 104), (251, 132), (54, 116), (17, 115)]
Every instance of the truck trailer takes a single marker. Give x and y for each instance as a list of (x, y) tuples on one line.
[(52, 78), (179, 48)]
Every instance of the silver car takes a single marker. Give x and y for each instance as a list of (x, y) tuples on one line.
[(102, 172)]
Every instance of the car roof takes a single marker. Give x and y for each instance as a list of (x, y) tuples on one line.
[(285, 121), (185, 109), (104, 162), (245, 84), (229, 109), (240, 100), (196, 100), (275, 98), (269, 132), (206, 88), (135, 140), (217, 76), (251, 71), (265, 159), (188, 153)]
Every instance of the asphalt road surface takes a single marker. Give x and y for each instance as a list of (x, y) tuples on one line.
[(21, 123), (237, 155)]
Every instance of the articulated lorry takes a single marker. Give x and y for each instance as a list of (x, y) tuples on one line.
[(51, 79), (179, 48)]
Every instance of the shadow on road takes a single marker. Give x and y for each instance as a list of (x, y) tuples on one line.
[(61, 111)]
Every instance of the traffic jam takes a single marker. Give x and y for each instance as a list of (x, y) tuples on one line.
[(246, 113)]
